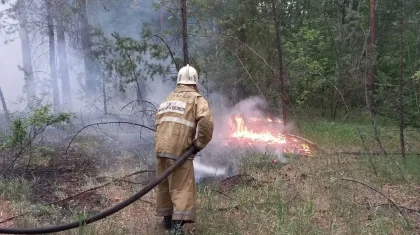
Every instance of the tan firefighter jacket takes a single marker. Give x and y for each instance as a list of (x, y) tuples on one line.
[(177, 119)]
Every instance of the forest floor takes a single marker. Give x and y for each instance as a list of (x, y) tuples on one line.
[(338, 190)]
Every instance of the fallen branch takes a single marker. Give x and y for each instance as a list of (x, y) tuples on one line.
[(100, 186), (237, 207), (124, 181), (147, 202), (369, 153), (220, 192), (237, 176), (83, 192), (306, 141), (402, 207), (13, 217), (383, 194), (104, 123)]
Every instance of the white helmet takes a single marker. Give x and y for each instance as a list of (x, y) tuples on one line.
[(187, 75)]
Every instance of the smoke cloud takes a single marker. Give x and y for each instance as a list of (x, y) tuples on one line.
[(216, 160)]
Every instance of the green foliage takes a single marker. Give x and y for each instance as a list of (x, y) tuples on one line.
[(309, 62), (26, 130), (130, 61)]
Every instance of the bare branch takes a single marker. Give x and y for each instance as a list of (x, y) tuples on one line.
[(249, 74), (169, 50), (104, 123), (383, 194)]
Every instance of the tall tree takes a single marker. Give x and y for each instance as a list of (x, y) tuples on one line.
[(184, 31), (53, 66), (63, 65), (372, 58), (5, 110), (280, 62), (91, 68), (21, 7), (401, 86), (373, 55)]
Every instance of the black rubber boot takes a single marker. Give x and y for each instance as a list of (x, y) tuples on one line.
[(177, 227), (167, 222)]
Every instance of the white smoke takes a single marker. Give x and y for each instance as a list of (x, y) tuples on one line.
[(217, 151)]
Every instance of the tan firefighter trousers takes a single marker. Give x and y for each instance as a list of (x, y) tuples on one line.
[(176, 195)]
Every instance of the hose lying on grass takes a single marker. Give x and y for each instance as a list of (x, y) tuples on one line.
[(107, 212)]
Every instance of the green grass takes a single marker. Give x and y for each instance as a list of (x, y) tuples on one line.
[(348, 136), (16, 189), (393, 169)]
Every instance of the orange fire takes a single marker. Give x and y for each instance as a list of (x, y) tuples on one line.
[(266, 131), (264, 136)]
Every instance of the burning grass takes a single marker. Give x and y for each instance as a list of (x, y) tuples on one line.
[(258, 132)]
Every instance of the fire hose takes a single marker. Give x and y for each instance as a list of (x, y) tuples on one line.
[(107, 212)]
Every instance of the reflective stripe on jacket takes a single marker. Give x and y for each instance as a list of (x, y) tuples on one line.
[(183, 114)]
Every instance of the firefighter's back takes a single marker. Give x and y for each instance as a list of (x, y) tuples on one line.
[(176, 122)]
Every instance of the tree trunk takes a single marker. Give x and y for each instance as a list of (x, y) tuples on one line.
[(53, 66), (5, 110), (162, 16), (138, 93), (26, 54), (104, 93), (401, 87), (372, 59), (372, 56), (63, 66), (184, 31), (281, 67), (91, 69)]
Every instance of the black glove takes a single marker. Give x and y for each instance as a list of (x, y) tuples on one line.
[(196, 150)]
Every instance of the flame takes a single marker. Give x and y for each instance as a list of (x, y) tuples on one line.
[(242, 131), (265, 130), (254, 119)]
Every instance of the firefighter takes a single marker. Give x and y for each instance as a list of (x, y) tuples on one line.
[(184, 119)]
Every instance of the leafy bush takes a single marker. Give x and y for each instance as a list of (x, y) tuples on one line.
[(25, 130)]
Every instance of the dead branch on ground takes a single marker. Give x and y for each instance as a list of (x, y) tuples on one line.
[(100, 186), (306, 141), (381, 193), (237, 207), (238, 176), (356, 153), (219, 192), (402, 207)]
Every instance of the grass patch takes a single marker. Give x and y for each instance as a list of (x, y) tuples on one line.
[(15, 189), (348, 136), (393, 169)]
